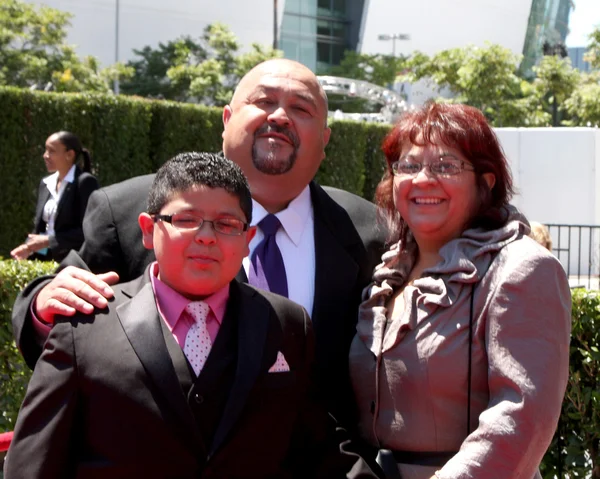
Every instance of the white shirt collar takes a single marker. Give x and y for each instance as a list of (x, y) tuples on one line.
[(293, 218), (51, 180)]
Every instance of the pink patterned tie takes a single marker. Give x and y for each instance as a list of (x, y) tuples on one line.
[(197, 342)]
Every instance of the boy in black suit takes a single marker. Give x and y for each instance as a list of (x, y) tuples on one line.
[(187, 373)]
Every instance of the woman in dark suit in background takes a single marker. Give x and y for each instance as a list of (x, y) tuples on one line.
[(61, 202)]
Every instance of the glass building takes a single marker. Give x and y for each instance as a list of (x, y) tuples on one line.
[(317, 32), (548, 24)]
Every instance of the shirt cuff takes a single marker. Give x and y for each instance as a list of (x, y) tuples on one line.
[(41, 328)]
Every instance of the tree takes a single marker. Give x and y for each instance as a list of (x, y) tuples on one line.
[(150, 70), (555, 81), (204, 70), (593, 51), (485, 78), (212, 80), (584, 103), (33, 52), (381, 70)]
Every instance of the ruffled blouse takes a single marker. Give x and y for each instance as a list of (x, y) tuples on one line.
[(410, 374), (464, 262)]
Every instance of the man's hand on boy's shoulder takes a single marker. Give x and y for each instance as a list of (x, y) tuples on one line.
[(72, 290)]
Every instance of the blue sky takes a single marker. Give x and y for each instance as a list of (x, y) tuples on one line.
[(582, 21)]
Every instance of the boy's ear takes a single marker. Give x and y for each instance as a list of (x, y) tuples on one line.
[(147, 226), (250, 234)]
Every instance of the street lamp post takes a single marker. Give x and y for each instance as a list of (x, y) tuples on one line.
[(275, 25), (393, 37), (116, 81)]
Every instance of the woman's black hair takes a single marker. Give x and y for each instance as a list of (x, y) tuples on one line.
[(72, 142)]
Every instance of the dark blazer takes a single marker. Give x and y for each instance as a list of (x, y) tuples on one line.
[(68, 231), (348, 245), (112, 397)]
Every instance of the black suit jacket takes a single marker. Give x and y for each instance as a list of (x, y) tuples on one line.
[(348, 245), (106, 398), (68, 231)]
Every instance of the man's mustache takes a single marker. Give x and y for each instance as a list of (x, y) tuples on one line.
[(268, 128)]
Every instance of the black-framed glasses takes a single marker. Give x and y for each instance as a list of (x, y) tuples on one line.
[(444, 166), (188, 222)]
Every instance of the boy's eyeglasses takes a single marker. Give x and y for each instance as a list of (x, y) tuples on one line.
[(443, 167), (187, 222)]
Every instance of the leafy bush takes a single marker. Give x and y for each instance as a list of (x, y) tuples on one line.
[(578, 437), (179, 127), (374, 158), (344, 165), (14, 373), (126, 136), (116, 130), (579, 430), (130, 136)]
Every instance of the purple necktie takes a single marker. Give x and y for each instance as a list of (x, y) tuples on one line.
[(267, 270)]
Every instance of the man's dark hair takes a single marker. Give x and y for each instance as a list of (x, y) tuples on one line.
[(193, 169)]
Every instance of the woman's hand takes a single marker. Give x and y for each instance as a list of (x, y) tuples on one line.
[(34, 243), (37, 242), (21, 252)]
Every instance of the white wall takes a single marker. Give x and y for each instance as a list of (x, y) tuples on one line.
[(556, 172), (557, 175), (435, 25), (148, 22)]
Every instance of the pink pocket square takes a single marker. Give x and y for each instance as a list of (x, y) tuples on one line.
[(280, 364)]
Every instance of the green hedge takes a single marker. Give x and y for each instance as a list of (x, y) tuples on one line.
[(578, 436), (14, 373), (116, 130), (178, 127), (131, 136), (579, 428), (374, 159)]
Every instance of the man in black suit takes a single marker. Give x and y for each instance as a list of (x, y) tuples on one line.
[(275, 128), (131, 393)]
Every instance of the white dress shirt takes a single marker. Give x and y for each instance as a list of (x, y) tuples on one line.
[(296, 241), (49, 212)]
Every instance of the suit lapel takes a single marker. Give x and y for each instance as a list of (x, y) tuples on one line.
[(253, 325), (141, 322), (335, 269), (44, 195), (242, 277), (65, 199)]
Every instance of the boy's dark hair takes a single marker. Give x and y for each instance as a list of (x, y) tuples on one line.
[(188, 170)]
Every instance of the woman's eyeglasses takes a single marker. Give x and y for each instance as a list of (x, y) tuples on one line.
[(442, 167)]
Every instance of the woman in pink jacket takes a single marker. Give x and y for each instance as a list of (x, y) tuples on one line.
[(460, 361)]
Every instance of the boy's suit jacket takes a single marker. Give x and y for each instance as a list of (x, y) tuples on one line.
[(348, 245), (68, 231), (109, 398)]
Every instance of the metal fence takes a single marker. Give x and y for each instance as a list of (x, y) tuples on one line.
[(578, 249)]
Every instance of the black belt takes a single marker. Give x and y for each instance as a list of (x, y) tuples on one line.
[(424, 458), (388, 460)]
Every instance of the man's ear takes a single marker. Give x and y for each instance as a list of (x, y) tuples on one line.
[(147, 226), (326, 136), (227, 112)]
